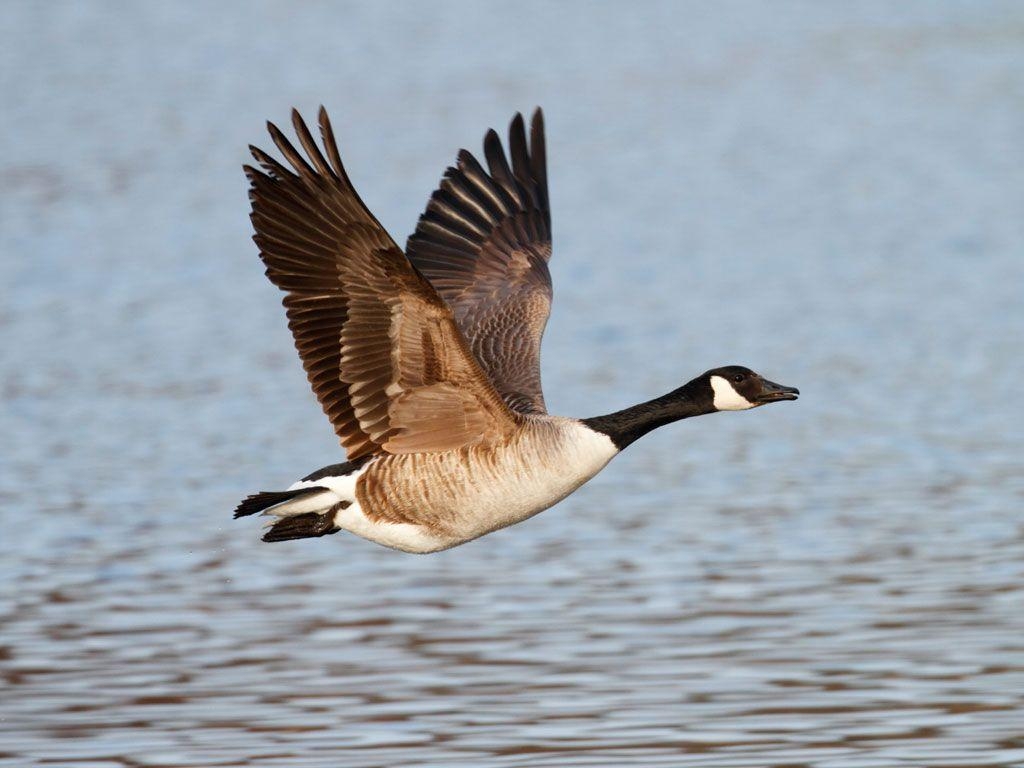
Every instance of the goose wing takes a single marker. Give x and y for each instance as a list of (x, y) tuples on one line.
[(381, 349), (484, 243)]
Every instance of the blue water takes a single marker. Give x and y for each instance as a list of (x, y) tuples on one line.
[(831, 194)]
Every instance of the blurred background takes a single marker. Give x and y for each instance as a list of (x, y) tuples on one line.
[(829, 193)]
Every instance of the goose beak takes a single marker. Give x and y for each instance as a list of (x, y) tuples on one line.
[(772, 392)]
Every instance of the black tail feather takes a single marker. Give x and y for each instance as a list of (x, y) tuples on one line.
[(308, 525), (266, 499)]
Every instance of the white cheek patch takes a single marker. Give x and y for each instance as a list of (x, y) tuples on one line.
[(727, 398)]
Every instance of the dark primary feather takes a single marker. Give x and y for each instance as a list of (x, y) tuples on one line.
[(484, 242)]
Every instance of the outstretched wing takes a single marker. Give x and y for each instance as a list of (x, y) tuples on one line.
[(381, 349), (484, 244)]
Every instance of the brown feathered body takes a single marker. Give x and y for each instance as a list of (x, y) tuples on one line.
[(425, 502), (426, 362)]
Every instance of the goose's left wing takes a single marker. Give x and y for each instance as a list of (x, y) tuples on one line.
[(484, 244), (381, 349)]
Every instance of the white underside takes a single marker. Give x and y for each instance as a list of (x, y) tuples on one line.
[(514, 493), (408, 538)]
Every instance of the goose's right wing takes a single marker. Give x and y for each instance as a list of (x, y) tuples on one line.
[(381, 349), (484, 243)]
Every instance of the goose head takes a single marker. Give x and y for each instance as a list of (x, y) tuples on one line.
[(730, 388), (735, 388)]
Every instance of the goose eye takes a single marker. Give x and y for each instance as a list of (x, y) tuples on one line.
[(738, 378)]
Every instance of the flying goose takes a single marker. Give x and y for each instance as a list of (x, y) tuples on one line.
[(428, 362)]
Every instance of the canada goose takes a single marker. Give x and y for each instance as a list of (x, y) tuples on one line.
[(427, 362)]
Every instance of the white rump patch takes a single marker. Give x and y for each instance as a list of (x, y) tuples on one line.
[(344, 486), (726, 396), (313, 502)]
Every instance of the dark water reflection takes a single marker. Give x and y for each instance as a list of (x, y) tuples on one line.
[(835, 583)]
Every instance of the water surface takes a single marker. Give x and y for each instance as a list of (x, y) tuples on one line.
[(831, 195)]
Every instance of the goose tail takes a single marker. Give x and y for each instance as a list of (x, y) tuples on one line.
[(304, 526), (301, 513), (284, 503)]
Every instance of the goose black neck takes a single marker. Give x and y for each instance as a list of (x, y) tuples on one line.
[(629, 424)]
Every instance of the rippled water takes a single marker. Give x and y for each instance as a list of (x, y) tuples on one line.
[(829, 194)]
